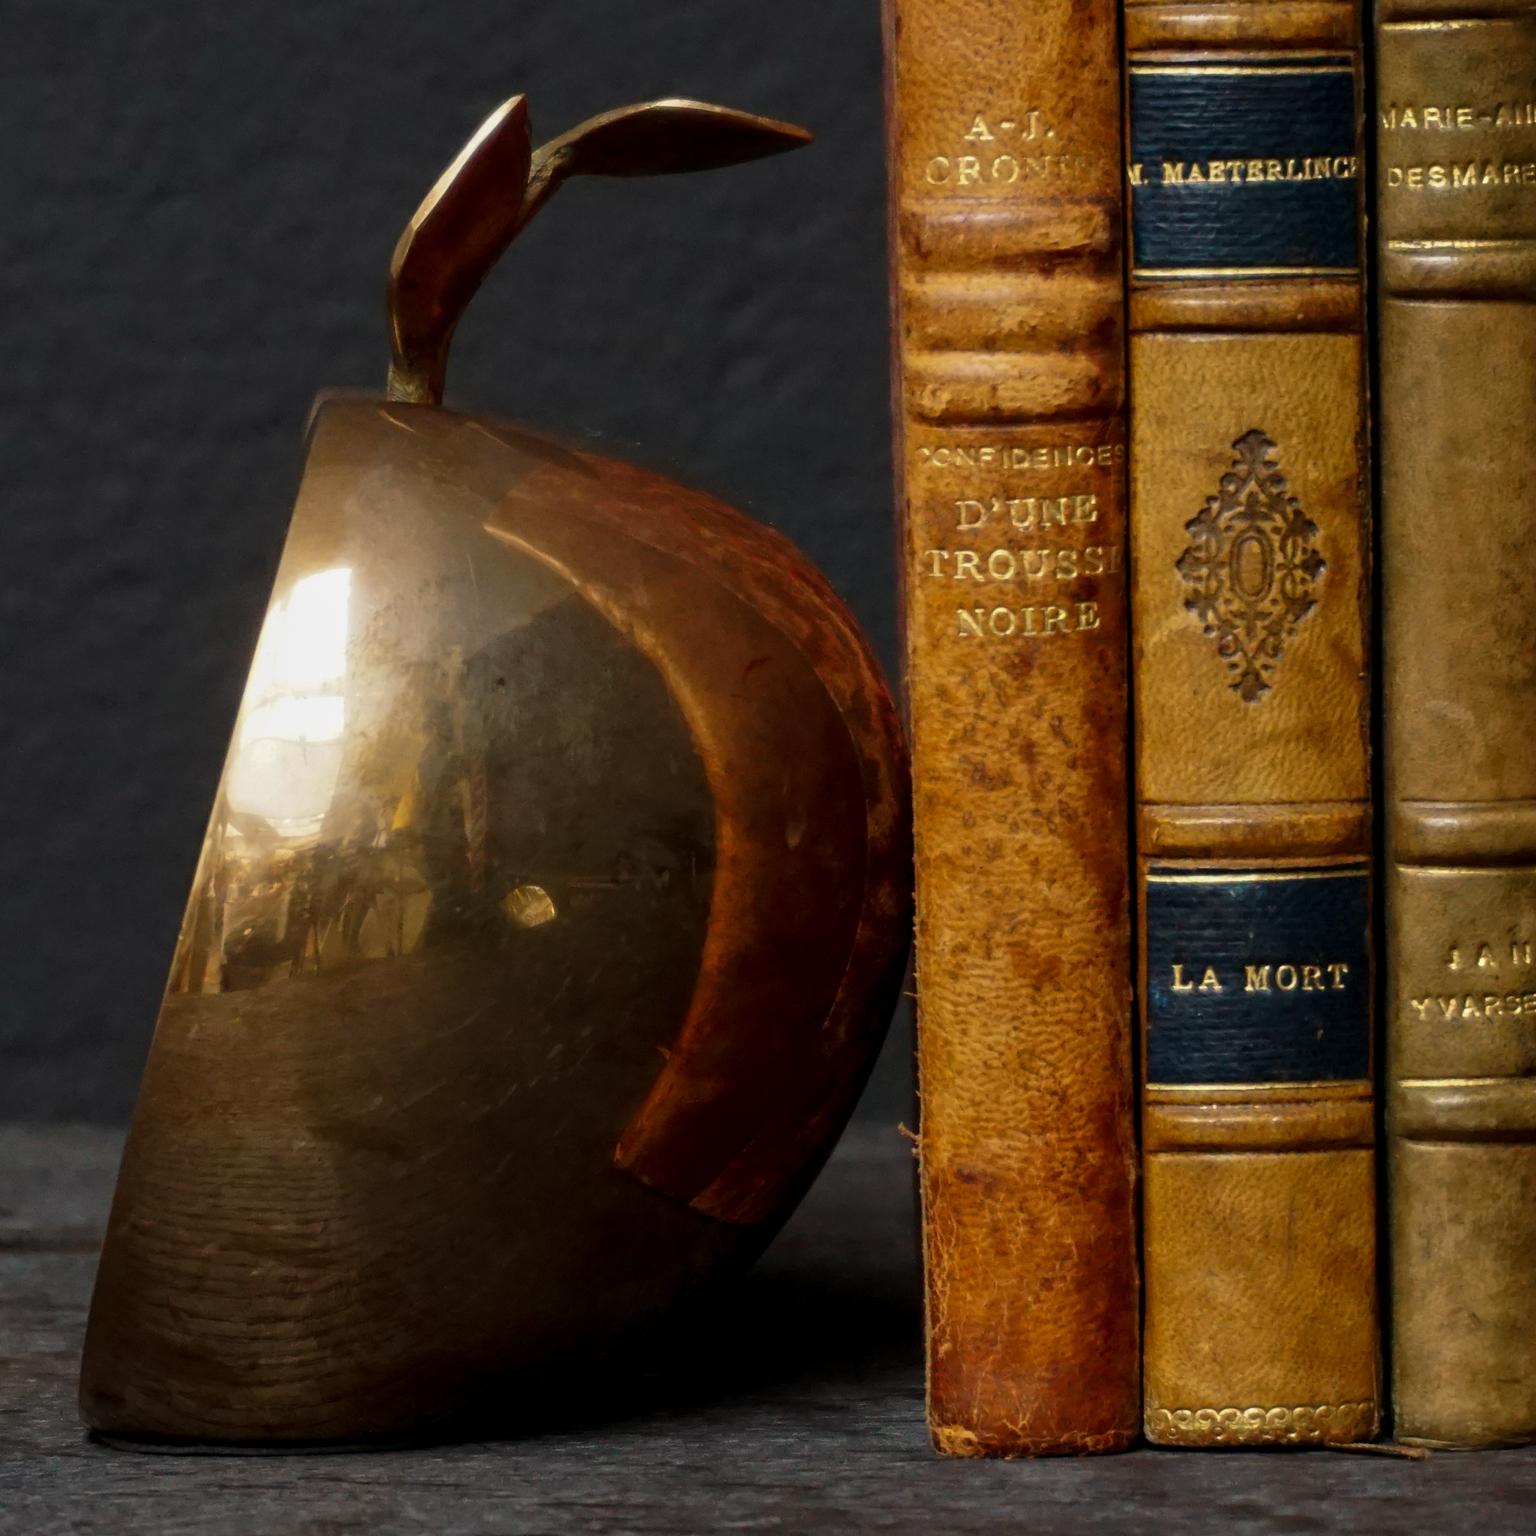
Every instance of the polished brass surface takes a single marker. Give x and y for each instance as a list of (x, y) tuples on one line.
[(496, 184), (539, 905)]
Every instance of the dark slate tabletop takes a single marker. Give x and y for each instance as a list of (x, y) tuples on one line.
[(796, 1405)]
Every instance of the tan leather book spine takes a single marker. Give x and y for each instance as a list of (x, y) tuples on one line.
[(1456, 230), (1006, 227), (1250, 573)]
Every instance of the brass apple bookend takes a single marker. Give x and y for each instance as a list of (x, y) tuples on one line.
[(550, 914)]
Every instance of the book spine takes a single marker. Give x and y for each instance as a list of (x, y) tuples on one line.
[(1250, 572), (1006, 226), (1456, 197)]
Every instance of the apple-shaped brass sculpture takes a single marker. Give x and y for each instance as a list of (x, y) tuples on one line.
[(550, 914)]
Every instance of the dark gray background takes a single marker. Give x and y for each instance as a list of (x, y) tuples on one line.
[(200, 199)]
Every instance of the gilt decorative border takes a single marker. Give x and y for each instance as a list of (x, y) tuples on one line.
[(1305, 1424)]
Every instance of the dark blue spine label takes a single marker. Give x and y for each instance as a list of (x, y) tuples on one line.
[(1244, 169), (1258, 976)]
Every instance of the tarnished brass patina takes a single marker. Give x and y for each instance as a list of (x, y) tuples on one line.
[(549, 916)]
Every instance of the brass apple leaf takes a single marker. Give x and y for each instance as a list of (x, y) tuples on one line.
[(658, 138)]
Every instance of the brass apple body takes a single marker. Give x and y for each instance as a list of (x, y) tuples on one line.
[(548, 921)]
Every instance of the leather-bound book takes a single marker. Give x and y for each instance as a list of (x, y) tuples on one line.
[(1456, 177), (1006, 242), (1250, 570)]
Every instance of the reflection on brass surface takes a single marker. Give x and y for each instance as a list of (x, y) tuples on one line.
[(529, 906), (549, 916)]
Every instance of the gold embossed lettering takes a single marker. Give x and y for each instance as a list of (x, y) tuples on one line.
[(1003, 564), (1462, 176), (1016, 458), (1306, 977)]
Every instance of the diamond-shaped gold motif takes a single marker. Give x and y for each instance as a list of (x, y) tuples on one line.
[(1252, 565)]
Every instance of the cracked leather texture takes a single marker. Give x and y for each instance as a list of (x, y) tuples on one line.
[(1006, 244)]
